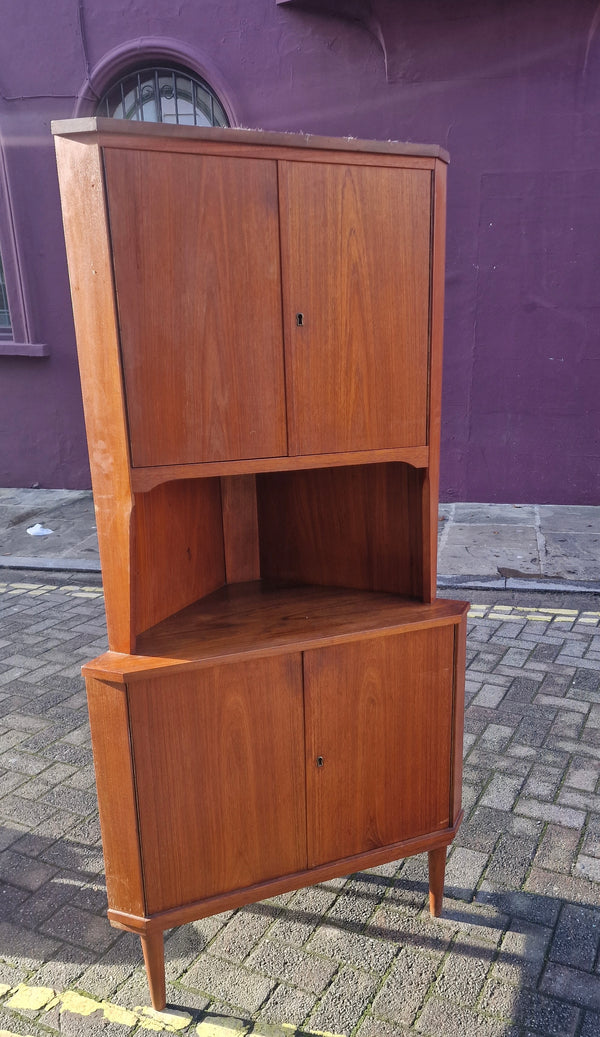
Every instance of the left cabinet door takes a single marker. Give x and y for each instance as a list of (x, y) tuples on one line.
[(219, 771), (195, 243)]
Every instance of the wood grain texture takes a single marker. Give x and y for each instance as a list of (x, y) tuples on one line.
[(90, 272), (240, 528), (353, 527), (379, 715), (437, 870), (178, 547), (356, 264), (143, 479), (220, 778), (282, 884), (202, 348), (276, 152), (255, 620), (154, 960), (109, 723)]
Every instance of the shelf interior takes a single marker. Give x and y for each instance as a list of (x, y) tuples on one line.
[(357, 526), (260, 617)]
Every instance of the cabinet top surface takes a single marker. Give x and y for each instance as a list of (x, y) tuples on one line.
[(118, 128)]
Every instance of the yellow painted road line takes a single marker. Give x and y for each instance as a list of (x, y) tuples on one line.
[(36, 590), (534, 614), (27, 997), (208, 1028), (30, 998)]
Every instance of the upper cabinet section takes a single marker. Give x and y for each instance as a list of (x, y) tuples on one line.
[(272, 293)]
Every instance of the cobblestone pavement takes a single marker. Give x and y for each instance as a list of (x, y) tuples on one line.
[(515, 953)]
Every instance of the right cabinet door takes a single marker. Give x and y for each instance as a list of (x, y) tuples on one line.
[(356, 245), (379, 739)]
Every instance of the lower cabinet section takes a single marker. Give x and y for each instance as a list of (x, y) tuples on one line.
[(237, 780)]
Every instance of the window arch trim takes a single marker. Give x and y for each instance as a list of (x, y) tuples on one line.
[(148, 51)]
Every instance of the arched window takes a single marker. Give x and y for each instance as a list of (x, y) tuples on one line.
[(162, 94)]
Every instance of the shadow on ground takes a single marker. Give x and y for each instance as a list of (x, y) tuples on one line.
[(359, 954)]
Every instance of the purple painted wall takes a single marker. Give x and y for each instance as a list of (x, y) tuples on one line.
[(510, 87)]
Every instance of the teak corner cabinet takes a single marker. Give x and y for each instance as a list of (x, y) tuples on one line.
[(259, 326)]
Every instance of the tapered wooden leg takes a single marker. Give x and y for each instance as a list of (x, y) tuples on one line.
[(437, 868), (154, 960)]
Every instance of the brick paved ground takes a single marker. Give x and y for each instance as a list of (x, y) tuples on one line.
[(516, 952)]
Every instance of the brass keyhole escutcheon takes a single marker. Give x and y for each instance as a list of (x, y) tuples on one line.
[(320, 761), (300, 320)]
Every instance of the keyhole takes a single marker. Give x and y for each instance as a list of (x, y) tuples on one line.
[(299, 319), (319, 761)]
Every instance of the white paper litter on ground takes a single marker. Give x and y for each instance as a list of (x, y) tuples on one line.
[(39, 531)]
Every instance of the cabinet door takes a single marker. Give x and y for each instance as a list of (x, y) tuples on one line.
[(356, 287), (219, 767), (379, 717), (196, 262)]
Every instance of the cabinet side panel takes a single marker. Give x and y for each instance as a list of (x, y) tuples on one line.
[(431, 484), (107, 704), (356, 266), (460, 651), (90, 272), (347, 527), (178, 547), (196, 257), (219, 766), (379, 716)]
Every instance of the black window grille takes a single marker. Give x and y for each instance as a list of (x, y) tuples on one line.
[(163, 95), (6, 332)]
